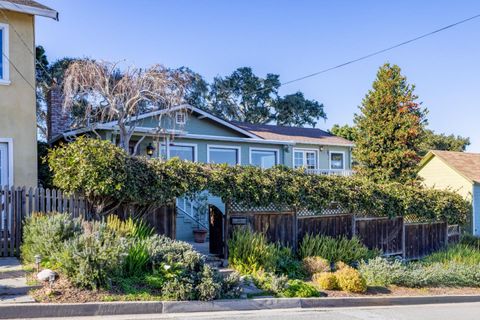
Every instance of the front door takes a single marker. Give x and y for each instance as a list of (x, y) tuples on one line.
[(216, 230)]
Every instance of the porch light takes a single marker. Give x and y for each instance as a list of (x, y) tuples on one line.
[(150, 149)]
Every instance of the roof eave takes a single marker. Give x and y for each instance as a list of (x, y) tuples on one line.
[(48, 13)]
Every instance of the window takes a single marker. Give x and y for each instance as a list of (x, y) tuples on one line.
[(305, 159), (184, 152), (4, 51), (263, 158), (4, 174), (220, 154), (337, 160), (180, 118)]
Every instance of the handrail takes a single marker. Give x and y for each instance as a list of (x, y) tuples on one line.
[(192, 217)]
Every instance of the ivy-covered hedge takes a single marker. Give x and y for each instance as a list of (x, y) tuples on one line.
[(108, 176)]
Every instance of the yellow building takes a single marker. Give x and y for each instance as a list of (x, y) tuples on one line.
[(455, 171), (18, 128)]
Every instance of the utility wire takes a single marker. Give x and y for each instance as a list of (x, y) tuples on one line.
[(2, 10), (19, 72), (373, 53)]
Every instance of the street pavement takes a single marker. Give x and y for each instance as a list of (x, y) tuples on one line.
[(463, 311)]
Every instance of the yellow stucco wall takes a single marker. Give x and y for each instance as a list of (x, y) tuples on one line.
[(437, 174), (17, 100)]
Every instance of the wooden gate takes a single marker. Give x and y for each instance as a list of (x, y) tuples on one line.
[(215, 224)]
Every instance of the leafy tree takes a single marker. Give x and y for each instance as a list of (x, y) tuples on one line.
[(295, 110), (121, 96), (197, 90), (345, 131), (42, 80), (390, 128), (243, 96), (441, 141)]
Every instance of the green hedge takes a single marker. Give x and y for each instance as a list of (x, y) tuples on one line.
[(108, 176)]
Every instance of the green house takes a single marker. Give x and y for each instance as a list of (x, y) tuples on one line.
[(196, 135)]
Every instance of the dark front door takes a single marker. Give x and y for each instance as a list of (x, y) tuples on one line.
[(216, 230)]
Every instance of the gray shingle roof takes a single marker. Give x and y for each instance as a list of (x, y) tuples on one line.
[(296, 134)]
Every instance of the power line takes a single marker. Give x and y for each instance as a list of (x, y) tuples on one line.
[(18, 71), (23, 40), (373, 53)]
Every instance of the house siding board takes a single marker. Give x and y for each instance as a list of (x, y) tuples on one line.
[(437, 174), (17, 100), (194, 125), (476, 209)]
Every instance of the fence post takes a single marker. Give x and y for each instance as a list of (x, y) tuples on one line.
[(225, 230), (354, 225), (404, 249), (295, 229)]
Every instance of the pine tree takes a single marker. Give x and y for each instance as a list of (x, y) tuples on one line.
[(390, 129)]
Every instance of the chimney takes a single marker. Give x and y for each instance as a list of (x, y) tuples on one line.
[(58, 121)]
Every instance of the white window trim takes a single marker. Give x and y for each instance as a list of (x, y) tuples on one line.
[(181, 144), (317, 160), (222, 146), (184, 114), (9, 142), (251, 149), (330, 161), (5, 79)]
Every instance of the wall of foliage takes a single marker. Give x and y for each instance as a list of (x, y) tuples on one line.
[(108, 177)]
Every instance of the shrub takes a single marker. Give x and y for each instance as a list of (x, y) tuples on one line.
[(350, 280), (459, 253), (381, 272), (136, 260), (326, 280), (129, 228), (299, 289), (210, 285), (44, 234), (231, 286), (91, 259), (335, 249), (450, 274), (249, 252), (313, 265), (471, 241)]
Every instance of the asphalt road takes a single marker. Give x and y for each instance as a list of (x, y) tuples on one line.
[(463, 311)]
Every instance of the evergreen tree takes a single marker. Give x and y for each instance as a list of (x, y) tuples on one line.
[(390, 129)]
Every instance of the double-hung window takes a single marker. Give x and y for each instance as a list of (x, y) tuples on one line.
[(4, 51), (337, 160), (305, 158), (263, 158), (224, 154)]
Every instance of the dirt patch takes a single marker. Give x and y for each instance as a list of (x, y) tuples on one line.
[(63, 291)]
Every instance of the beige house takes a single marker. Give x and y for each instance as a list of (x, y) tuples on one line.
[(18, 129), (456, 171)]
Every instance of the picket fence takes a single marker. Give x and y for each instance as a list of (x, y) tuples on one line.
[(17, 203)]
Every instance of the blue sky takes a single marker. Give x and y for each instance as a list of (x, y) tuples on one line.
[(290, 38)]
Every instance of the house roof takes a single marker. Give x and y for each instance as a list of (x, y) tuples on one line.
[(296, 134), (30, 7), (465, 163)]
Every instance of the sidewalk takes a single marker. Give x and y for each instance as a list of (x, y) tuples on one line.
[(13, 283)]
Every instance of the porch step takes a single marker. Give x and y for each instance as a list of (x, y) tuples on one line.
[(214, 261)]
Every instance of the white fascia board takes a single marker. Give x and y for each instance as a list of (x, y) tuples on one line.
[(234, 139), (49, 13)]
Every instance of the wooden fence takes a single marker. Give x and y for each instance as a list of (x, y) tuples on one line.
[(19, 203), (393, 236)]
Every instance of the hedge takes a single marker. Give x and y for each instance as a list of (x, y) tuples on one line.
[(109, 177)]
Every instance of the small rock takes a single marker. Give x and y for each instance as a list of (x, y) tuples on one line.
[(45, 275)]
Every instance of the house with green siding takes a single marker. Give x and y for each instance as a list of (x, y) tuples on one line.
[(458, 172), (196, 135)]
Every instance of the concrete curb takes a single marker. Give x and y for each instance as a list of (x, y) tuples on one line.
[(48, 310)]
